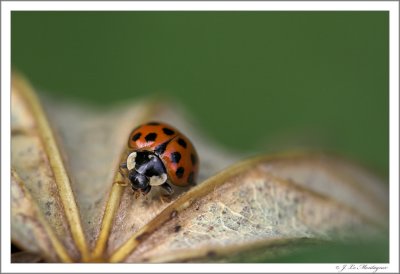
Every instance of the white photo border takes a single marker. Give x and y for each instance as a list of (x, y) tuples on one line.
[(8, 6)]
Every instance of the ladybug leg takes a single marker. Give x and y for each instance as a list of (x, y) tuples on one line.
[(136, 194), (122, 169), (146, 190), (123, 183), (167, 188)]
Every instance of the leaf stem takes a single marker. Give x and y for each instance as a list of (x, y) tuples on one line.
[(149, 108), (109, 213)]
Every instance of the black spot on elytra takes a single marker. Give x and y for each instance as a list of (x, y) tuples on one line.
[(182, 142), (177, 228), (179, 172), (175, 157), (150, 137), (168, 131), (153, 124), (160, 149), (136, 136), (191, 178), (193, 158)]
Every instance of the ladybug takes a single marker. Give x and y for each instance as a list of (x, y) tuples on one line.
[(159, 154)]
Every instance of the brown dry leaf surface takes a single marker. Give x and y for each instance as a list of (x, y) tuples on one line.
[(253, 205), (279, 201)]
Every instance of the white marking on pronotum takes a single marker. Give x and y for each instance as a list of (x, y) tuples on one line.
[(130, 162), (158, 180)]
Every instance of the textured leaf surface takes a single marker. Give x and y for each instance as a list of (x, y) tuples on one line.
[(247, 203), (93, 144), (27, 230), (25, 257)]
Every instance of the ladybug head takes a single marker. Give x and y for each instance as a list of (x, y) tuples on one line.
[(145, 170), (138, 181)]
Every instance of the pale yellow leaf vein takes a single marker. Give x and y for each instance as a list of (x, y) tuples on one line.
[(56, 162), (116, 192)]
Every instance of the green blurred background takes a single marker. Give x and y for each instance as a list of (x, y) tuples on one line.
[(254, 81)]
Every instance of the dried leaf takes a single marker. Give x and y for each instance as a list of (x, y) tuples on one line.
[(93, 145), (75, 199), (247, 203), (29, 227), (30, 162)]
